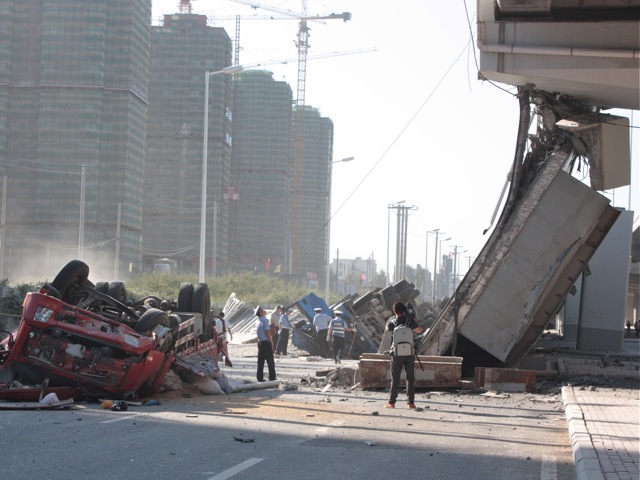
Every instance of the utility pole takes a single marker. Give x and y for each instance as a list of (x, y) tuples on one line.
[(435, 267), (389, 207), (3, 223), (116, 268), (337, 267), (81, 221), (454, 271), (426, 259), (402, 213)]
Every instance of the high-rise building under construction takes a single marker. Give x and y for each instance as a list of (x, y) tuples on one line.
[(73, 110), (262, 174), (182, 50), (313, 150)]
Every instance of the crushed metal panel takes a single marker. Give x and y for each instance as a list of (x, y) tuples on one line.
[(607, 146), (525, 271), (550, 238)]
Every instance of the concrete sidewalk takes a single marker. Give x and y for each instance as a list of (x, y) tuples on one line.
[(604, 427)]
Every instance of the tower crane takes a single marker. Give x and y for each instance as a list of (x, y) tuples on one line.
[(184, 6), (303, 36)]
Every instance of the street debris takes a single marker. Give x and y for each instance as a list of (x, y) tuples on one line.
[(242, 439)]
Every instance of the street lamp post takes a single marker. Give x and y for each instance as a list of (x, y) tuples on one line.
[(328, 252), (205, 153)]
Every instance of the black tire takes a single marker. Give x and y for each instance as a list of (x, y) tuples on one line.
[(51, 290), (152, 301), (117, 291), (406, 293), (207, 329), (102, 287), (387, 291), (73, 275), (174, 321), (201, 300), (362, 300), (150, 320), (185, 296), (201, 303), (389, 301)]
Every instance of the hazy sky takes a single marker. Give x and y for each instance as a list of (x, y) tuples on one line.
[(420, 125)]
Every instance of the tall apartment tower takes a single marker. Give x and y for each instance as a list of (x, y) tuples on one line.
[(73, 111), (311, 193), (260, 197), (183, 49)]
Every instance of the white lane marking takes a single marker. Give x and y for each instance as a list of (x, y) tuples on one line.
[(119, 419), (548, 468), (237, 469)]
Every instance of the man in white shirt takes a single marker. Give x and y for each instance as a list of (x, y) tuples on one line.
[(321, 322)]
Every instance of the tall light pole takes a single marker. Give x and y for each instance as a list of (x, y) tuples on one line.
[(328, 252), (469, 257), (437, 259), (426, 256), (435, 267), (389, 207), (205, 153), (455, 268), (456, 279)]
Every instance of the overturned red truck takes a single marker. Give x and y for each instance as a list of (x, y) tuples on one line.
[(79, 339)]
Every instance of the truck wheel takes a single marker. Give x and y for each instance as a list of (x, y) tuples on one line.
[(207, 329), (406, 293), (390, 300), (74, 274), (150, 320), (185, 294), (362, 300), (174, 321), (117, 291), (152, 301), (201, 303), (102, 287), (51, 290)]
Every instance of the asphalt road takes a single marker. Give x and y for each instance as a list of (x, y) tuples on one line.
[(309, 433)]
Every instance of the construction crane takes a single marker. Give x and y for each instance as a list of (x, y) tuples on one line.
[(303, 36), (184, 6)]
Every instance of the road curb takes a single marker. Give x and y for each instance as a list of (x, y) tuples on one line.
[(585, 456)]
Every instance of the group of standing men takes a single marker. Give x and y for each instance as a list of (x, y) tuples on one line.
[(330, 330), (272, 339)]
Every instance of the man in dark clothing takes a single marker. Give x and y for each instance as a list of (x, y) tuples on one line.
[(405, 361), (337, 328), (265, 345)]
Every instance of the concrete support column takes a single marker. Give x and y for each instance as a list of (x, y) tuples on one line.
[(571, 313), (603, 291)]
